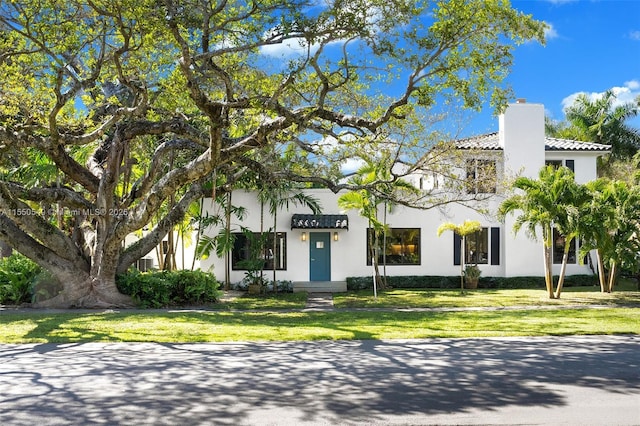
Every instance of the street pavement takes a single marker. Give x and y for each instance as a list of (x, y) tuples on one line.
[(572, 380)]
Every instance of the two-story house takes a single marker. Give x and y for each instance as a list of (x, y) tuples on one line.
[(330, 247)]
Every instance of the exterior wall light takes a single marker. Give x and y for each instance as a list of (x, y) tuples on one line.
[(335, 236), (304, 236)]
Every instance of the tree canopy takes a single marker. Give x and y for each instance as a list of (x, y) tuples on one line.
[(115, 114)]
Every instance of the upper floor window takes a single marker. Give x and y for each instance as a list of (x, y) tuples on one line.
[(400, 247), (481, 176), (569, 164)]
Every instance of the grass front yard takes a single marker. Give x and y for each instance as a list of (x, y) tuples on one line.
[(217, 326), (423, 298), (240, 318)]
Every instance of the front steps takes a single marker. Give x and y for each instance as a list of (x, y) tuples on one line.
[(320, 286)]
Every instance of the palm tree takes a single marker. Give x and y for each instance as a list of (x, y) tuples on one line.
[(610, 223), (544, 203), (468, 227), (377, 186), (278, 197), (599, 120)]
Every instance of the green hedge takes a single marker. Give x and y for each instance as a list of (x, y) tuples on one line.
[(169, 288), (434, 281)]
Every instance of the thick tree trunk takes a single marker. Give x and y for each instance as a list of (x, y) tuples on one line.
[(5, 249), (95, 288), (86, 291)]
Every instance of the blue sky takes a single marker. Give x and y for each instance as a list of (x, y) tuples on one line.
[(592, 46)]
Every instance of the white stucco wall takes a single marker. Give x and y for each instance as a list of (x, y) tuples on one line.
[(522, 137), (349, 252)]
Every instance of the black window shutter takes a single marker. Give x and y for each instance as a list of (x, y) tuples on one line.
[(571, 165), (456, 248), (495, 246)]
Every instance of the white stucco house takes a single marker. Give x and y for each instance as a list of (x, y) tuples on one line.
[(330, 247)]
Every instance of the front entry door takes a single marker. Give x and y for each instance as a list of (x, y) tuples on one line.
[(320, 256)]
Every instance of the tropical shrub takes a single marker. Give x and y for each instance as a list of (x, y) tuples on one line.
[(169, 288), (17, 276), (451, 282)]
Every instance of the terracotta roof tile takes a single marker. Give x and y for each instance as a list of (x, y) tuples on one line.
[(490, 141)]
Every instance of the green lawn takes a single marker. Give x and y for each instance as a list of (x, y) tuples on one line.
[(238, 319), (406, 298), (265, 301), (221, 326)]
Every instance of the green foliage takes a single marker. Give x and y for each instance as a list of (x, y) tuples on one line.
[(472, 272), (468, 227), (451, 282), (17, 276), (165, 288), (134, 104)]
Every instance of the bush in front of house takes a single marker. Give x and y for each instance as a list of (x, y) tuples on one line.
[(284, 286), (169, 288), (17, 277), (406, 281), (453, 282)]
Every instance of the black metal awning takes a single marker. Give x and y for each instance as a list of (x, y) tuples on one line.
[(320, 221)]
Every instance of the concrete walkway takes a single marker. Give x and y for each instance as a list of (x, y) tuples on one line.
[(319, 302)]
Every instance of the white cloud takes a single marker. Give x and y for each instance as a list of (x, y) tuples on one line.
[(634, 35), (624, 94), (288, 48), (632, 84), (351, 165), (550, 32)]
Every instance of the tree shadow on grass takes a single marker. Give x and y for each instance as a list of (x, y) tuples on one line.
[(334, 382)]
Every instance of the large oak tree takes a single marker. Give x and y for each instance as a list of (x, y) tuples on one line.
[(116, 114)]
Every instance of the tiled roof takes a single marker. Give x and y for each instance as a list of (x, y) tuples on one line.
[(490, 142), (485, 142), (555, 144)]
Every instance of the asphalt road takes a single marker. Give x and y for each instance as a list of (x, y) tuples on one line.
[(572, 380)]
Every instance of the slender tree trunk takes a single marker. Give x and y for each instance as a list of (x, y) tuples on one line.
[(612, 276), (462, 261), (170, 262), (601, 272), (384, 247), (198, 233), (182, 266), (548, 272), (262, 239), (376, 265), (274, 247), (227, 257), (563, 269)]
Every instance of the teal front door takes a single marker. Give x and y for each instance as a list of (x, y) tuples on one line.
[(320, 256)]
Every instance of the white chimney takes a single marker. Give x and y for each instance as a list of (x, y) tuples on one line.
[(522, 138)]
